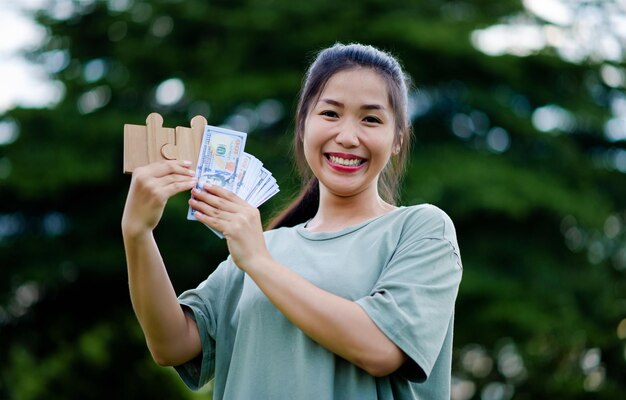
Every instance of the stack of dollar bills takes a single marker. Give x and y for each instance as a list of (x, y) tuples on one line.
[(223, 162)]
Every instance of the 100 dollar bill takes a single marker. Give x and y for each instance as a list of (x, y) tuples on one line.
[(220, 154)]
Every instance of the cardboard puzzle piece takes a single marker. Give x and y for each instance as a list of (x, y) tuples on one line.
[(145, 144)]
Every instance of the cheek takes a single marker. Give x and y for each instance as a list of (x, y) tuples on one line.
[(308, 149), (311, 140), (385, 142), (385, 150)]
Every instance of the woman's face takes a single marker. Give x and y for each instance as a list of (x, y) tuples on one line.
[(349, 132)]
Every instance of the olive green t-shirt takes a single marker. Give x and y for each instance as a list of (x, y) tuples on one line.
[(403, 268)]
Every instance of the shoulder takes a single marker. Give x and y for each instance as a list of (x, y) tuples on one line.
[(426, 221), (428, 226), (427, 211)]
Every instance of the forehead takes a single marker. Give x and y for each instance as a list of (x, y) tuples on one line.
[(360, 85)]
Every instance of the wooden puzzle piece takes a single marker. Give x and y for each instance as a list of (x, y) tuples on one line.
[(187, 142), (144, 144)]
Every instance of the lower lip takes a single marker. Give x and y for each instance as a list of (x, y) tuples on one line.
[(344, 168)]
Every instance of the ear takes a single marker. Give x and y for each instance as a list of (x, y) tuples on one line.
[(396, 147)]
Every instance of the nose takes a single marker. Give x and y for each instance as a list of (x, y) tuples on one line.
[(348, 135)]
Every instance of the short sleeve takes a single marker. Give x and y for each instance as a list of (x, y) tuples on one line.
[(202, 305), (413, 300)]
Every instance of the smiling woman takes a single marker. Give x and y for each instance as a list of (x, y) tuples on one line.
[(366, 302), (349, 137)]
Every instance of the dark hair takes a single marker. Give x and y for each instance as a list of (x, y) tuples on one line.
[(327, 63)]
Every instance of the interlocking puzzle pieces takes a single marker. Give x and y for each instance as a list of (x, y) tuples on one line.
[(144, 144)]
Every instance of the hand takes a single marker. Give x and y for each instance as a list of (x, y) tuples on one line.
[(239, 222), (151, 187)]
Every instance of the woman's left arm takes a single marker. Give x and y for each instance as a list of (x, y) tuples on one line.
[(338, 324)]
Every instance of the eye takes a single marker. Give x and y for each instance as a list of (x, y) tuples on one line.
[(370, 119), (329, 113)]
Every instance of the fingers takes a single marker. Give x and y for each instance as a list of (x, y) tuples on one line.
[(211, 220), (219, 198), (162, 180), (175, 167), (220, 207), (211, 209), (179, 185), (151, 187), (164, 168), (224, 194), (229, 223)]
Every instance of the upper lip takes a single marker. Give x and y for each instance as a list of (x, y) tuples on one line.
[(345, 156)]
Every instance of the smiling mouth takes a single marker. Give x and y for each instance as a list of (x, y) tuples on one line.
[(350, 161)]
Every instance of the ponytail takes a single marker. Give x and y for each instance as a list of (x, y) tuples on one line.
[(302, 209)]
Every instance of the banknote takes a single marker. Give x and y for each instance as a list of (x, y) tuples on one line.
[(223, 162), (257, 183), (266, 184), (220, 153), (242, 169), (270, 190)]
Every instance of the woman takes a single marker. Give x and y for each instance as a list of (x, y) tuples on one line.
[(346, 296)]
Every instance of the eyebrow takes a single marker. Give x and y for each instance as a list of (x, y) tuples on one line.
[(363, 107)]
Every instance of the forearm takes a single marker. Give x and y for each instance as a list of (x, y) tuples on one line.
[(338, 324), (169, 333)]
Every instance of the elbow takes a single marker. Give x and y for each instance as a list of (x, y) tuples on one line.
[(162, 360), (379, 370), (384, 363), (175, 350), (164, 356), (170, 356)]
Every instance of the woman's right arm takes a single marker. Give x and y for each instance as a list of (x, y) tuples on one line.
[(172, 337)]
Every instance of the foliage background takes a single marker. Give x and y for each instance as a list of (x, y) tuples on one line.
[(525, 151)]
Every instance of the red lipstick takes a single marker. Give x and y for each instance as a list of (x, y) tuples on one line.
[(337, 161)]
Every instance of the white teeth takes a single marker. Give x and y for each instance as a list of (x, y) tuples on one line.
[(353, 162)]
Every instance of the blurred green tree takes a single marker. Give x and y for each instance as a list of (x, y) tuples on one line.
[(524, 149)]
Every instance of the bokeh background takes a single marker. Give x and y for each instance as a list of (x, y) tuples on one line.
[(519, 112)]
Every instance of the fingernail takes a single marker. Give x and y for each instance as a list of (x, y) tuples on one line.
[(186, 162), (191, 172)]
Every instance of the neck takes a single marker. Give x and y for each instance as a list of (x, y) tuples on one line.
[(337, 212)]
